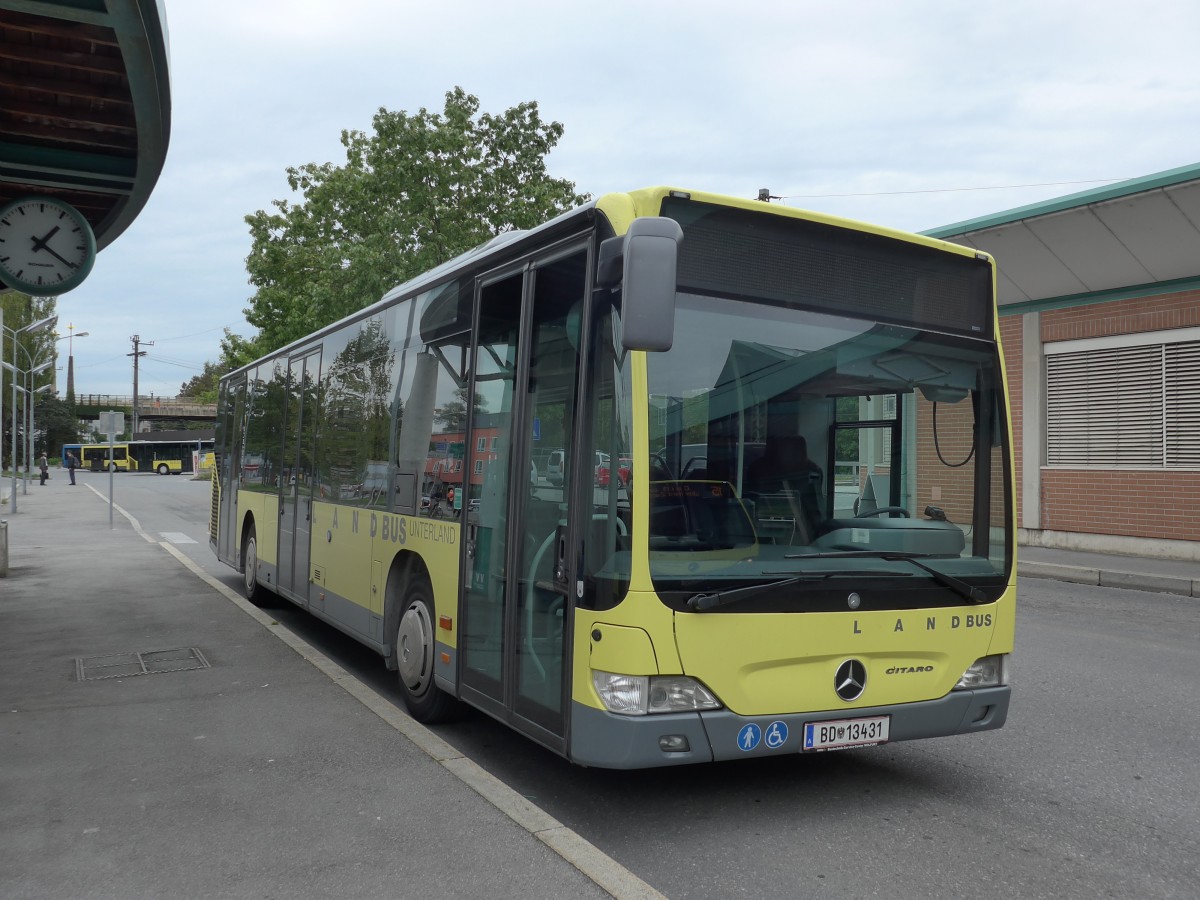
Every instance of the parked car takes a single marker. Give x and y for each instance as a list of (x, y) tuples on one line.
[(555, 467), (624, 470)]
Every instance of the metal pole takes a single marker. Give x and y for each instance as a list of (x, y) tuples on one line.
[(30, 457), (111, 466), (28, 434), (12, 499), (2, 380)]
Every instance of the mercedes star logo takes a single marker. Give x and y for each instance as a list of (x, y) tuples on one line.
[(850, 680)]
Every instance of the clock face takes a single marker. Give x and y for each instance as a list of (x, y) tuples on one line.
[(46, 246)]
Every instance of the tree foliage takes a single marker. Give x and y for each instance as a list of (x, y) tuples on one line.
[(55, 424), (203, 387), (20, 311), (416, 192)]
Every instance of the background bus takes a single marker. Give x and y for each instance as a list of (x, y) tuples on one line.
[(170, 453), (102, 458), (810, 546)]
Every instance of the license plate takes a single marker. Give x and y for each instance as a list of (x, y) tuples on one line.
[(839, 734)]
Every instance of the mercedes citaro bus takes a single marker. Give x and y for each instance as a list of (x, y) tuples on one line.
[(726, 600)]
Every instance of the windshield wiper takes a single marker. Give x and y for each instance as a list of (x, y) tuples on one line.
[(960, 587), (701, 602), (713, 599)]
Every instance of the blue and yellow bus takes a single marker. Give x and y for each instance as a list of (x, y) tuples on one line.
[(812, 545)]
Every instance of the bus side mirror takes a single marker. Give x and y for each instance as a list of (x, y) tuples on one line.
[(646, 259)]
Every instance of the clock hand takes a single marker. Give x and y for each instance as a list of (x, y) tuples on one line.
[(65, 262), (40, 243)]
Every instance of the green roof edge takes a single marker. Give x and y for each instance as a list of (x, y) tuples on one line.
[(1071, 201)]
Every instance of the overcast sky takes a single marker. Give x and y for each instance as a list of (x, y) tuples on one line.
[(910, 114)]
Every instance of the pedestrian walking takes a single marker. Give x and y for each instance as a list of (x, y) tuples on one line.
[(71, 465), (44, 467)]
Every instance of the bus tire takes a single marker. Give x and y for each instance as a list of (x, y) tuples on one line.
[(164, 469), (112, 467), (415, 655), (254, 591)]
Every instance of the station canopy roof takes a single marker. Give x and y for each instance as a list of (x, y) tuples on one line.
[(1134, 238), (85, 105)]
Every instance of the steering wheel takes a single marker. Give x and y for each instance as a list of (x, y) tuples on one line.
[(881, 510)]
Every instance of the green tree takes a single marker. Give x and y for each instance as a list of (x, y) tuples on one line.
[(21, 310), (55, 423), (418, 191), (203, 387)]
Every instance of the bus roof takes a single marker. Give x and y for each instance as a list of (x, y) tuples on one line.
[(619, 209)]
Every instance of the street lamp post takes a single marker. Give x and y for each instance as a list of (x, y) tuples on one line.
[(30, 396), (31, 328)]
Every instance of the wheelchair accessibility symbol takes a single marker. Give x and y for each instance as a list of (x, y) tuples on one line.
[(777, 735)]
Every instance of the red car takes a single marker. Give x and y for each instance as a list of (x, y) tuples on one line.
[(624, 469)]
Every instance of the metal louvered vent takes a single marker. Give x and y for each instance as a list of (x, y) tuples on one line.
[(1182, 404), (1133, 406)]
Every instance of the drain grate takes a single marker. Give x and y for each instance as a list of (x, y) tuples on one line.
[(126, 665)]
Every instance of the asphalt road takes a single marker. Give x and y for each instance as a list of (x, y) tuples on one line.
[(1091, 790)]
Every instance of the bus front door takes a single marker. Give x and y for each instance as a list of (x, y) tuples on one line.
[(516, 608), (296, 481)]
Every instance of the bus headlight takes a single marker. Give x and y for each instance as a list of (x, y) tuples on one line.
[(640, 695), (989, 671)]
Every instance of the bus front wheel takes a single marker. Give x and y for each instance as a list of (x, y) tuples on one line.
[(163, 469), (415, 655)]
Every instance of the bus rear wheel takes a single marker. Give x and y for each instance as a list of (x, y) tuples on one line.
[(415, 654), (164, 469), (253, 590)]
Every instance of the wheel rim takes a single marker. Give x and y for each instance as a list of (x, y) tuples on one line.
[(251, 561), (414, 649)]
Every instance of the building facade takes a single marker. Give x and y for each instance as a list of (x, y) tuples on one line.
[(1100, 316)]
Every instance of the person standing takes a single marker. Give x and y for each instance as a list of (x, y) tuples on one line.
[(71, 466), (44, 468)]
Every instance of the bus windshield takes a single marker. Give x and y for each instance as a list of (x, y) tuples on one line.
[(792, 443)]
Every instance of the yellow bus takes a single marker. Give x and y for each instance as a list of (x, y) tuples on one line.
[(98, 458), (812, 544)]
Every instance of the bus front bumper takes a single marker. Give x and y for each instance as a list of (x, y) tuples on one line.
[(605, 740)]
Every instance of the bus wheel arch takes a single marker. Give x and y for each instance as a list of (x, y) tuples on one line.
[(411, 622), (163, 469)]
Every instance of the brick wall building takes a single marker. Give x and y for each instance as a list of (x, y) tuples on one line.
[(1100, 318)]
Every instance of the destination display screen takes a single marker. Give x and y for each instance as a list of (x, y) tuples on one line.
[(797, 262)]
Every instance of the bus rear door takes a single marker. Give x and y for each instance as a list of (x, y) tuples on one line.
[(296, 488)]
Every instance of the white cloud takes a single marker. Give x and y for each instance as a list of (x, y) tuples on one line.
[(898, 103)]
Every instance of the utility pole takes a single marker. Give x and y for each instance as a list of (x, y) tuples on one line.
[(137, 341)]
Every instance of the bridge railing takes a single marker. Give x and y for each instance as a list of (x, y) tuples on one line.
[(148, 406)]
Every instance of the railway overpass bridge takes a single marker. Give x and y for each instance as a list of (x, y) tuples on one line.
[(149, 409)]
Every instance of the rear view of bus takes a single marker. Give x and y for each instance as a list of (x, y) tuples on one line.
[(820, 548)]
